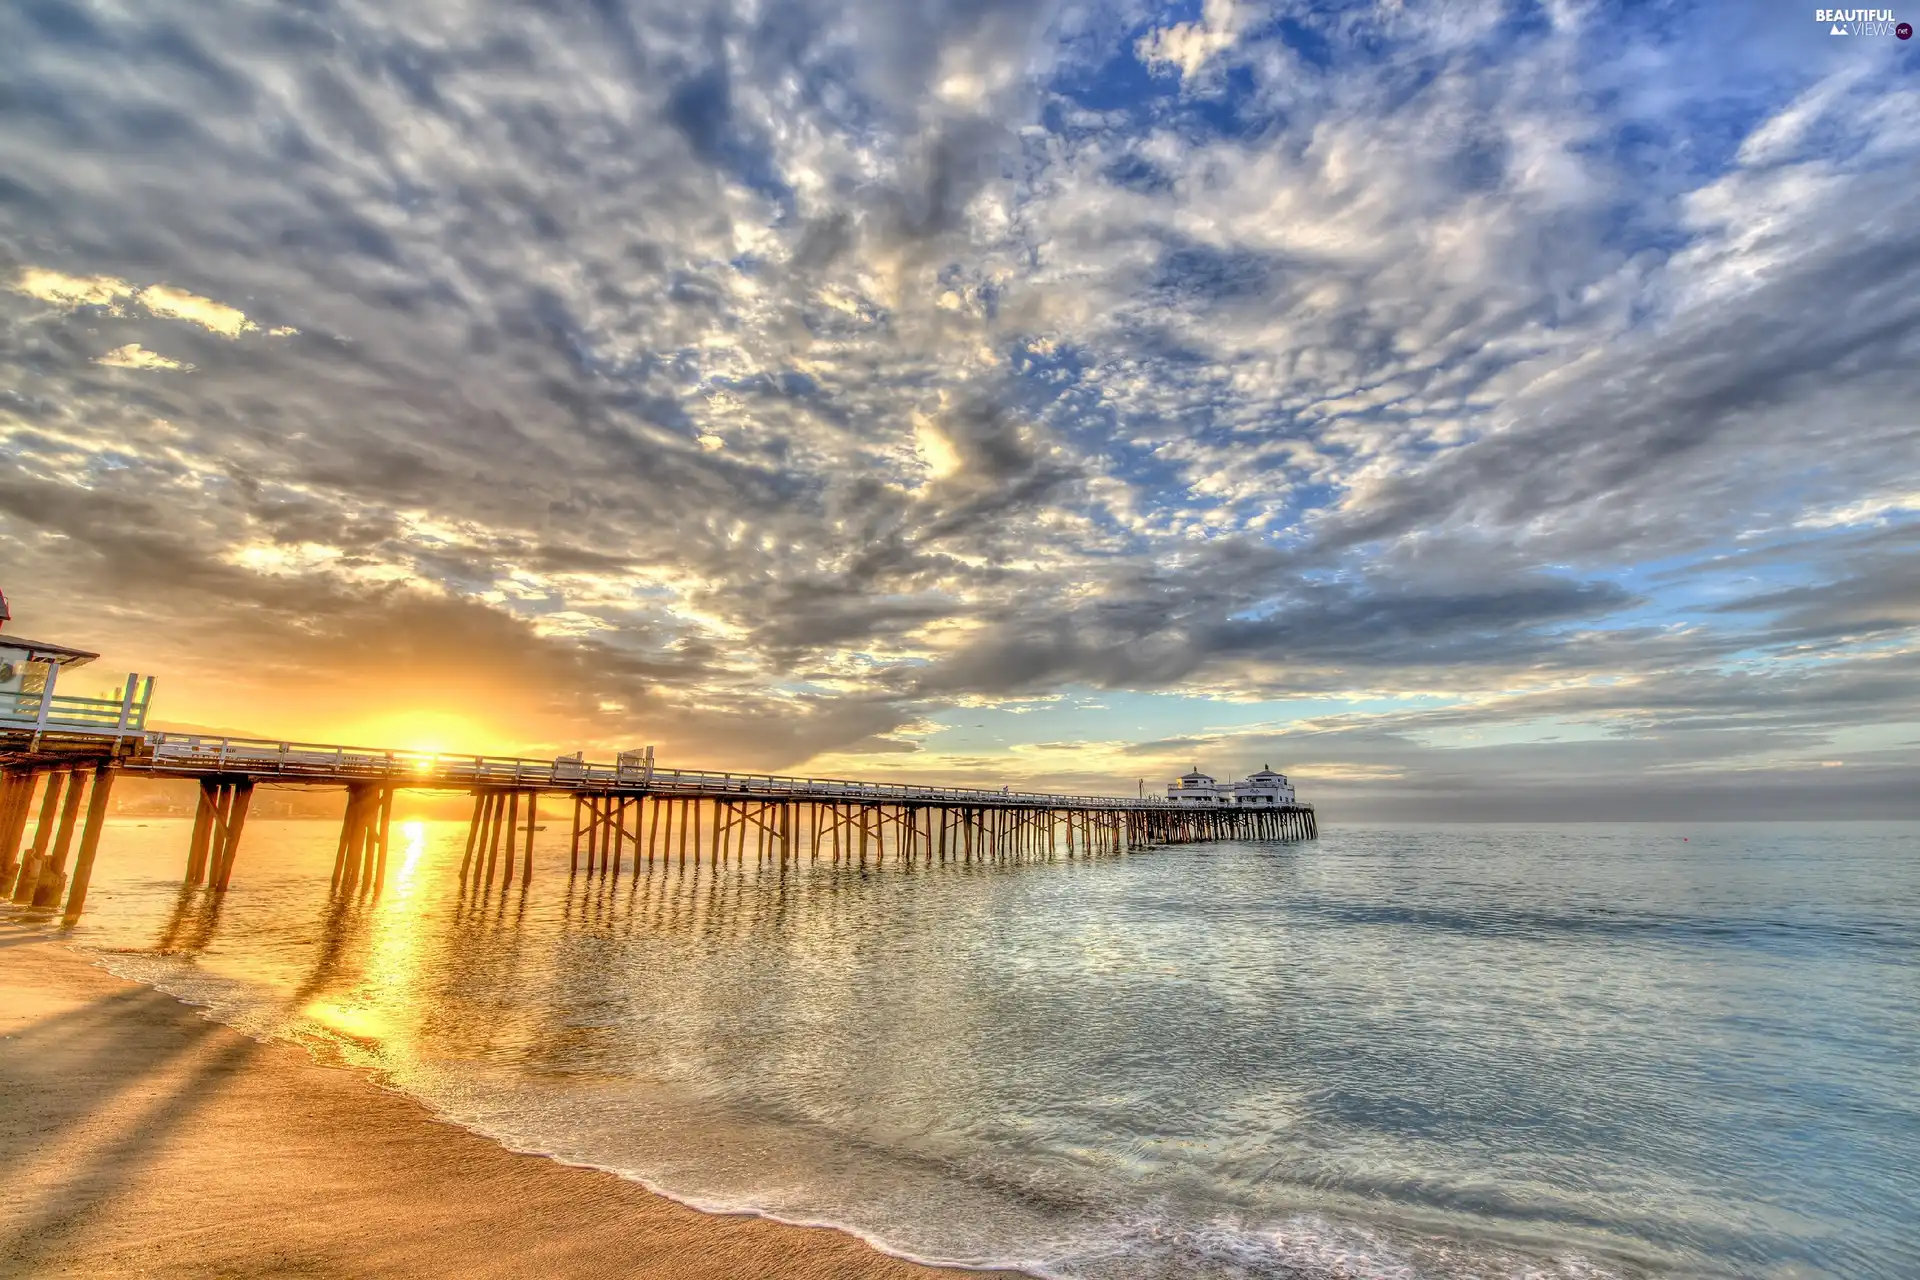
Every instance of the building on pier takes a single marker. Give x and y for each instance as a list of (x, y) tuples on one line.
[(28, 671), (1265, 789), (29, 675), (1197, 788)]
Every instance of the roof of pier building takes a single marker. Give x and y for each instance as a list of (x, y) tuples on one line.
[(39, 651)]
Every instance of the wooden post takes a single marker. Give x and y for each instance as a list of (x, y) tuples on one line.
[(602, 835), (526, 865), (473, 833), (367, 846), (616, 835), (579, 806), (10, 802), (49, 811), (353, 838), (203, 815), (27, 874), (513, 838), (496, 806), (90, 839), (241, 799), (493, 838), (16, 800), (344, 849), (386, 822), (590, 817), (45, 889)]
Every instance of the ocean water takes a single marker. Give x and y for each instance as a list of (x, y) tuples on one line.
[(1459, 1051)]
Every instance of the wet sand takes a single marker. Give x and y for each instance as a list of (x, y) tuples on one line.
[(138, 1138)]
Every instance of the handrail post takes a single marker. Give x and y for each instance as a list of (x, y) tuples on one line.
[(46, 695), (126, 700)]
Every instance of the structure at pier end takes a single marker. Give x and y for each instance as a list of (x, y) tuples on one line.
[(57, 750), (1265, 789), (1263, 807)]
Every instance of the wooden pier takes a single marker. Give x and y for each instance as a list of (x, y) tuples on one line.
[(60, 755), (628, 814)]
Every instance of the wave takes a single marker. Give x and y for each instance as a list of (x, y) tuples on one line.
[(1605, 922)]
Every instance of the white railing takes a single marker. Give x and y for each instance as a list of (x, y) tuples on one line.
[(168, 752), (124, 713)]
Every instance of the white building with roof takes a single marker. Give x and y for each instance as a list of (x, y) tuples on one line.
[(1265, 789), (29, 672), (1196, 787)]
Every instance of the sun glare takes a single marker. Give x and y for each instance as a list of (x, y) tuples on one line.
[(437, 732)]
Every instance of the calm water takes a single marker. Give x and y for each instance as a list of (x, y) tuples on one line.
[(1461, 1052)]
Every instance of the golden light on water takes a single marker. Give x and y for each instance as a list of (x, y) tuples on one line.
[(383, 1004), (414, 832), (351, 1022)]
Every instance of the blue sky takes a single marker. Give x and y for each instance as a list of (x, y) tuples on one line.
[(1472, 408)]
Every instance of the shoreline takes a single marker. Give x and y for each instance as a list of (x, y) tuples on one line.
[(144, 1138)]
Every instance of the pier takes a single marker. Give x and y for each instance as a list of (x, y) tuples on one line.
[(60, 756)]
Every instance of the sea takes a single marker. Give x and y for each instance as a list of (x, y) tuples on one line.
[(1417, 1052)]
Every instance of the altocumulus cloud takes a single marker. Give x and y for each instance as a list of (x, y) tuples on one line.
[(1496, 404)]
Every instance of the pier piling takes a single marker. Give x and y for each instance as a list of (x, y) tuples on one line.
[(101, 790)]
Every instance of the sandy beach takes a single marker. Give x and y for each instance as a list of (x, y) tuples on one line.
[(141, 1139)]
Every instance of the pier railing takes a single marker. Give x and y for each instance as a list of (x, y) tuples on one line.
[(125, 712), (184, 754)]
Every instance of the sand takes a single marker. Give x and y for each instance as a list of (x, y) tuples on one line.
[(138, 1138)]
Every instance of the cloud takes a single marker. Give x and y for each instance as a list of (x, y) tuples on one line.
[(135, 356), (178, 304), (113, 295), (789, 377), (1189, 46), (72, 291)]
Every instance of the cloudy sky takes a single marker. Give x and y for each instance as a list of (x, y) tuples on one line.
[(1474, 408)]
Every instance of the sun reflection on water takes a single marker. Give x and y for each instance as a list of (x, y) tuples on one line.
[(414, 832)]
